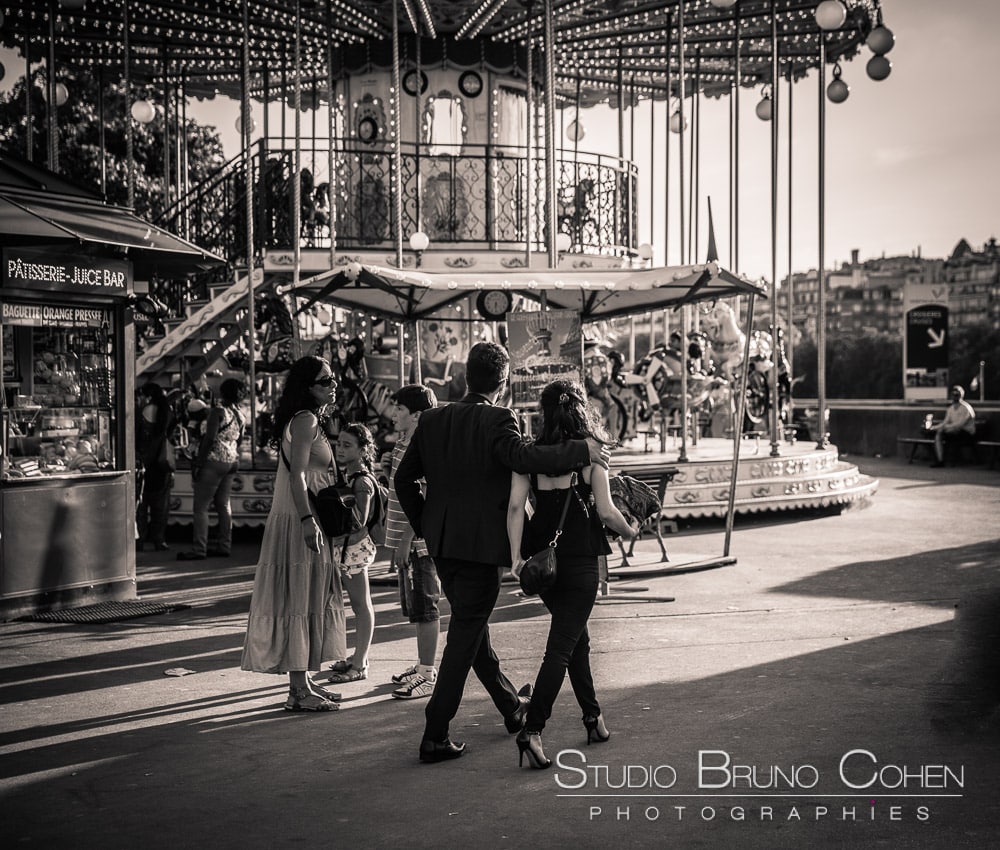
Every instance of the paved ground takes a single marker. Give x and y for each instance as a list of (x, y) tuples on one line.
[(870, 634)]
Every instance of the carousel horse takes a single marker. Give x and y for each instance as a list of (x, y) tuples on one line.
[(720, 327), (576, 210), (275, 329)]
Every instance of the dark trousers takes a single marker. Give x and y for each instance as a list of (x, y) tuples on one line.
[(472, 590), (154, 506), (570, 601)]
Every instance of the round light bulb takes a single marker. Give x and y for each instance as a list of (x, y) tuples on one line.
[(878, 67), (563, 242), (763, 109), (143, 111), (675, 122), (831, 14), (881, 40), (838, 91), (419, 241)]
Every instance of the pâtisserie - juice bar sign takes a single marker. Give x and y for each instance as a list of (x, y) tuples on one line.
[(27, 269)]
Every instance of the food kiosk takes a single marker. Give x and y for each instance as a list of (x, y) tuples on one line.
[(67, 490)]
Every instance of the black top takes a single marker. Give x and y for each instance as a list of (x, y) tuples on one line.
[(583, 531)]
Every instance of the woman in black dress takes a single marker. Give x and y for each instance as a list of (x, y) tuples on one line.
[(567, 416)]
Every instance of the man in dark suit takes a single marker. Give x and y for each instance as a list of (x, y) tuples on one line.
[(465, 452)]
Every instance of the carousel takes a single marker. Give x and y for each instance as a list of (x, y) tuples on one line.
[(415, 176)]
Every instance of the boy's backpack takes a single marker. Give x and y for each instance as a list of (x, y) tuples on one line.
[(379, 509)]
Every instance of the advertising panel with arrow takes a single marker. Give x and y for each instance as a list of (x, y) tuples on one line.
[(925, 341)]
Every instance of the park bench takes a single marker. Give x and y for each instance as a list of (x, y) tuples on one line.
[(978, 445)]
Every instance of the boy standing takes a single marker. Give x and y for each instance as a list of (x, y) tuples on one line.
[(419, 588)]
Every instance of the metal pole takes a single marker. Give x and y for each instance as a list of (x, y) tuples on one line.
[(50, 87), (822, 441), (29, 135), (331, 159), (790, 288), (397, 153), (297, 156), (680, 108), (251, 329), (129, 141), (652, 170), (549, 46), (529, 162), (682, 457), (738, 429), (736, 145), (693, 180), (773, 378), (102, 142), (166, 129), (666, 150)]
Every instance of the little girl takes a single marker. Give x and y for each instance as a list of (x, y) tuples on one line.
[(355, 453)]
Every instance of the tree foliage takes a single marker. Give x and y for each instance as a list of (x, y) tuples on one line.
[(871, 365), (79, 141)]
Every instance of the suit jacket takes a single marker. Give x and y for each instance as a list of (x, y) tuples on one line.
[(465, 452)]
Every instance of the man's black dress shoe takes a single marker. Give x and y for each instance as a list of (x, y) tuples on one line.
[(434, 751), (514, 722)]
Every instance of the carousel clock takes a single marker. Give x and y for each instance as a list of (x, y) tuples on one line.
[(494, 304)]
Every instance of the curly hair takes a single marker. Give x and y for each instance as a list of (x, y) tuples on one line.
[(297, 394), (366, 443), (567, 415)]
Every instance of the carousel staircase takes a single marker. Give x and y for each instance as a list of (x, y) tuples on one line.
[(194, 342)]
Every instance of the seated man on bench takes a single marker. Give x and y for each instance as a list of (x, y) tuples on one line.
[(958, 426)]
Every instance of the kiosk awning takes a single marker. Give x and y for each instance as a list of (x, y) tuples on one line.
[(39, 207)]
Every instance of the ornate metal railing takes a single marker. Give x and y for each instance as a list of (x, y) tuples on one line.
[(468, 196)]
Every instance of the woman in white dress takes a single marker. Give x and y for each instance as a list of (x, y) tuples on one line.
[(297, 612)]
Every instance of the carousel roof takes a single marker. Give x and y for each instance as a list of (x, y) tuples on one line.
[(602, 46), (593, 293)]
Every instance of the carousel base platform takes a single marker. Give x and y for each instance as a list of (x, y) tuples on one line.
[(803, 477)]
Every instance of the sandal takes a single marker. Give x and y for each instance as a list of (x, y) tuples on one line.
[(302, 699), (323, 693), (340, 667), (351, 674)]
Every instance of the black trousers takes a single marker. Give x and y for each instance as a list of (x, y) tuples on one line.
[(570, 601), (471, 589)]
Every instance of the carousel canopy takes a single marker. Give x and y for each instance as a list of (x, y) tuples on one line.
[(601, 46), (38, 207), (594, 293)]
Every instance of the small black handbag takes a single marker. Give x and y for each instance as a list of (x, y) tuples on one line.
[(333, 507), (539, 571)]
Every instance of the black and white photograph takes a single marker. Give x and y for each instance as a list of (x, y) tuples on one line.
[(499, 424)]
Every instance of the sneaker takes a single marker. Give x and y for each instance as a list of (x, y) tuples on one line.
[(416, 688), (405, 676)]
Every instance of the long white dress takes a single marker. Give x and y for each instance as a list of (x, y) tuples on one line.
[(297, 616)]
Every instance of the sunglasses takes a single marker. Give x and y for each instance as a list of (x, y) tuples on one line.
[(328, 381)]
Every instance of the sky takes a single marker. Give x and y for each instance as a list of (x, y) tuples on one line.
[(911, 162)]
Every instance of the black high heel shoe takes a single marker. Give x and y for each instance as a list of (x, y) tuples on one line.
[(532, 745), (596, 730)]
